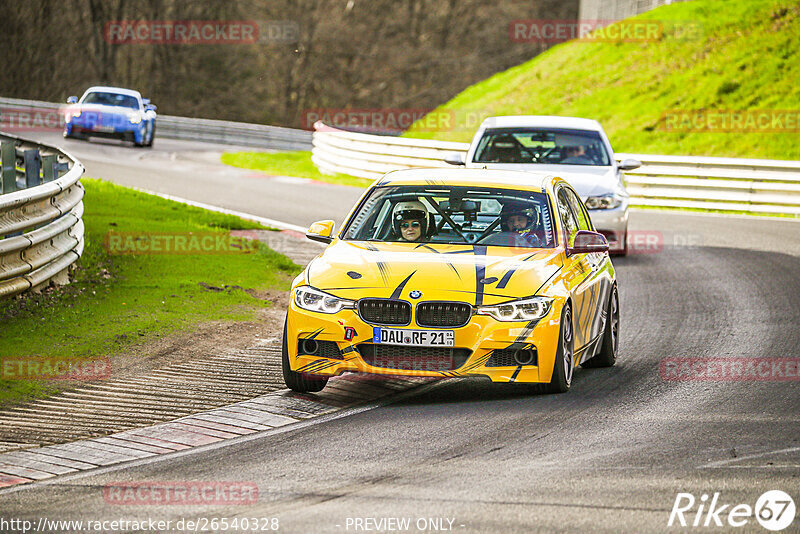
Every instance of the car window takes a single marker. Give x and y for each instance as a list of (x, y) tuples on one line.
[(568, 220), (553, 146), (578, 209), (453, 215), (111, 99)]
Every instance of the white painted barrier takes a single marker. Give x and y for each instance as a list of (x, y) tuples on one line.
[(727, 184)]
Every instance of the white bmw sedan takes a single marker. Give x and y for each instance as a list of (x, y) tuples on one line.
[(574, 149)]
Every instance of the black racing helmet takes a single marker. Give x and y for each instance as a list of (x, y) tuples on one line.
[(517, 208)]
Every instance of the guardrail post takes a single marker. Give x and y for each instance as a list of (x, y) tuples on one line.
[(8, 177), (60, 168), (49, 168), (33, 167)]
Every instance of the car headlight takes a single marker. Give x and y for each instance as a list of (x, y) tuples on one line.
[(315, 300), (603, 202), (518, 310), (135, 118)]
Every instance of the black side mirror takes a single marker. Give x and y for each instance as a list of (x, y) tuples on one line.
[(587, 242)]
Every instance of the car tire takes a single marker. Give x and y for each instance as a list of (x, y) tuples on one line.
[(149, 143), (563, 366), (610, 342), (302, 383)]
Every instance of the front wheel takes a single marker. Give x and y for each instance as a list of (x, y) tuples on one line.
[(152, 135), (302, 383), (564, 362)]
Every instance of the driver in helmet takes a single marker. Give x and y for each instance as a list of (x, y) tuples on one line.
[(410, 220), (520, 222)]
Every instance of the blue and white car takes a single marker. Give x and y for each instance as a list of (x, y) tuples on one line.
[(111, 112)]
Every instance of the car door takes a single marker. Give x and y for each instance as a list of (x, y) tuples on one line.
[(578, 269), (596, 284)]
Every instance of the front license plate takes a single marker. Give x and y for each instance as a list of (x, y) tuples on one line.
[(413, 338), (100, 128)]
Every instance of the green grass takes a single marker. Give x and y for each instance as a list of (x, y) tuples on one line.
[(747, 57), (296, 164), (118, 301)]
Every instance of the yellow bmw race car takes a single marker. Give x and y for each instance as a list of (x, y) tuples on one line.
[(455, 273)]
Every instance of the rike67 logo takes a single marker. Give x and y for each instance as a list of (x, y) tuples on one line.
[(774, 510)]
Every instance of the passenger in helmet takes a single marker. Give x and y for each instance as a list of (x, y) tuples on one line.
[(516, 217), (410, 220), (520, 225)]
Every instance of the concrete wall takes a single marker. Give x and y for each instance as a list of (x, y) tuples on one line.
[(617, 9)]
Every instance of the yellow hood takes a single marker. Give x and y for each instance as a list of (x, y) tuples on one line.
[(476, 274)]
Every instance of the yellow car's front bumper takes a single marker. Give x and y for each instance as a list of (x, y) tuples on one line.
[(481, 336)]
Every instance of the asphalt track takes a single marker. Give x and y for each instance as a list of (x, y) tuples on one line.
[(610, 455)]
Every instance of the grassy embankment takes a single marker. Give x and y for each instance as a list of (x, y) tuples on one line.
[(714, 55), (741, 55), (118, 301)]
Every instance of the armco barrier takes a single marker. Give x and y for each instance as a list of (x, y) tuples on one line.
[(41, 231), (727, 184), (169, 127)]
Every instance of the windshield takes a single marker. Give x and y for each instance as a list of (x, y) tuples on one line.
[(111, 99), (454, 215), (552, 146)]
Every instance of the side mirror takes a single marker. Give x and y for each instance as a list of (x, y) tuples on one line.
[(456, 158), (150, 107), (629, 164), (587, 242), (321, 231), (145, 101), (72, 100)]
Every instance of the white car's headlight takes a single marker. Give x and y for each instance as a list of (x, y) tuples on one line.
[(518, 310), (315, 300), (603, 202), (135, 118)]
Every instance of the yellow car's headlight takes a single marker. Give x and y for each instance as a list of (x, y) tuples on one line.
[(315, 300), (526, 309)]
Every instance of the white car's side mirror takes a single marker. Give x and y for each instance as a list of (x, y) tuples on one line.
[(629, 164), (456, 158)]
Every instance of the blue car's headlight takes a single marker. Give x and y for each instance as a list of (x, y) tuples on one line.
[(311, 299), (526, 309), (603, 202), (135, 118)]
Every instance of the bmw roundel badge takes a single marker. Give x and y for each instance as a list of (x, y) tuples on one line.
[(415, 294)]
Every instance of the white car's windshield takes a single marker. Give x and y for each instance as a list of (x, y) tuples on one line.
[(553, 146), (454, 215), (111, 99)]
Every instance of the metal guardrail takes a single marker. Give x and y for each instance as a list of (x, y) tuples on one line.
[(41, 205), (726, 184), (45, 115)]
